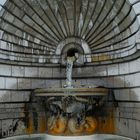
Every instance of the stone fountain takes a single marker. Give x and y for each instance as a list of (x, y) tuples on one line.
[(69, 110)]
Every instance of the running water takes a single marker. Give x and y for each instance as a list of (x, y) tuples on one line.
[(69, 66)]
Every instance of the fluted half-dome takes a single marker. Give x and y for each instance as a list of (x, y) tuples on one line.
[(33, 29)]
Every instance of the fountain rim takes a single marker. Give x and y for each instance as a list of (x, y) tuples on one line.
[(58, 136), (72, 91)]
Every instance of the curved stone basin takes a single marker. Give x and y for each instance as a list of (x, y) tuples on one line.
[(50, 137)]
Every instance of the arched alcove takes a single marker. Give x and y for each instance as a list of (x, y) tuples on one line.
[(35, 36)]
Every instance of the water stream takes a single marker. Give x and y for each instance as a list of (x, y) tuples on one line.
[(69, 66)]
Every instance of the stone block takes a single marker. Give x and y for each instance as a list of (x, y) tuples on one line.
[(18, 71), (85, 72), (124, 94), (90, 71), (35, 83), (137, 105), (17, 96), (127, 80), (117, 94), (2, 83), (31, 72), (137, 64), (26, 95), (137, 127), (132, 80), (113, 69), (53, 83), (110, 82), (93, 82), (136, 113), (135, 94), (137, 79), (100, 71), (132, 129), (126, 105), (45, 72), (123, 127), (136, 7), (105, 81), (11, 83), (123, 68), (5, 70), (24, 83), (57, 72), (132, 66), (5, 96), (38, 83), (119, 81)]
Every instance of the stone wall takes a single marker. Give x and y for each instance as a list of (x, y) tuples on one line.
[(17, 82)]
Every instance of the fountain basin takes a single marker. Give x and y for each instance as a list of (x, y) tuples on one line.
[(50, 137), (71, 91)]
